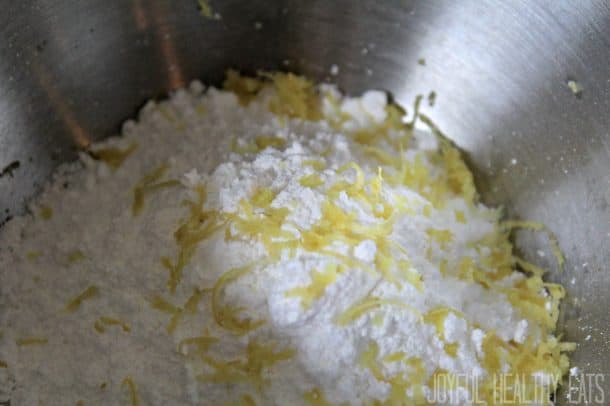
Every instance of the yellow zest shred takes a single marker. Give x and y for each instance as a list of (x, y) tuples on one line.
[(147, 185), (312, 181), (87, 294), (247, 400), (33, 255), (259, 358), (459, 177), (382, 156), (161, 304), (456, 178), (529, 267), (76, 256), (395, 357), (416, 379), (451, 349), (359, 181), (265, 226), (191, 304), (437, 317), (245, 88), (227, 317), (260, 143), (171, 115), (295, 97), (575, 87), (265, 141), (112, 156), (109, 321), (46, 212), (411, 275), (376, 184), (316, 164), (315, 397), (460, 217), (526, 296), (190, 307), (368, 359), (348, 261), (337, 225), (199, 226), (201, 344), (369, 304), (524, 362), (442, 237), (263, 197), (315, 290), (29, 341), (133, 393), (416, 113), (534, 226), (400, 382), (99, 327)]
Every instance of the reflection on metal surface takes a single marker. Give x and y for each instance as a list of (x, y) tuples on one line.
[(80, 137), (499, 69), (166, 39), (139, 15)]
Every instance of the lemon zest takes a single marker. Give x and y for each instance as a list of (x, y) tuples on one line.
[(534, 226), (442, 237), (316, 164), (294, 97), (259, 358), (29, 341), (33, 255), (46, 213), (199, 226), (226, 317), (437, 317), (369, 304), (312, 181), (112, 156), (201, 343), (87, 294), (460, 217), (315, 290), (177, 313), (245, 88), (368, 359), (76, 256), (395, 357), (147, 185), (133, 393), (109, 321)]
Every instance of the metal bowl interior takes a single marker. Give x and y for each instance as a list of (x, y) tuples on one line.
[(522, 87)]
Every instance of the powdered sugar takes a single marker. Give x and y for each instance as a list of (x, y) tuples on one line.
[(341, 218)]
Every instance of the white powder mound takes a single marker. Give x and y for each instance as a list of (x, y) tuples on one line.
[(308, 274)]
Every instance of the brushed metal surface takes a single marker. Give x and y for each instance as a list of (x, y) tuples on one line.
[(72, 71)]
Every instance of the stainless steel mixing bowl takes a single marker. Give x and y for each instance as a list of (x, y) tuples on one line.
[(522, 86)]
